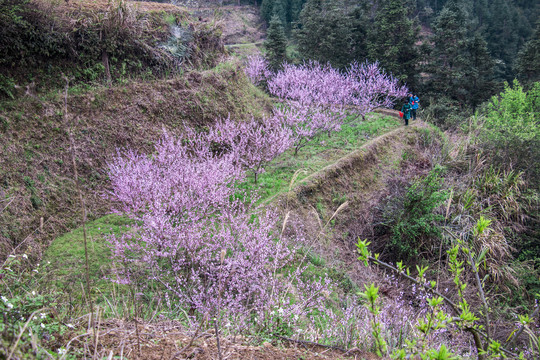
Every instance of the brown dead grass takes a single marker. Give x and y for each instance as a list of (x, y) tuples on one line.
[(103, 5), (168, 340), (36, 145)]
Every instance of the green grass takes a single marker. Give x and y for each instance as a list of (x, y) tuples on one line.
[(67, 257), (318, 154)]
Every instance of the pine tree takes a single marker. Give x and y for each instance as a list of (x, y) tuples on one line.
[(287, 10), (276, 43), (448, 59), (528, 60), (479, 75), (331, 31), (460, 66), (392, 41), (502, 36), (266, 10), (280, 9)]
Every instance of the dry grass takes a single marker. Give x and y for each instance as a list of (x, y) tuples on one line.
[(170, 340), (93, 6), (37, 179)]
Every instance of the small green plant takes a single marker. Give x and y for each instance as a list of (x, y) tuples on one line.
[(29, 323), (371, 295), (7, 86), (511, 132), (463, 317), (415, 224)]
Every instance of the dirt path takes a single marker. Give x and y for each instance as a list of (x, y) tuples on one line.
[(338, 204)]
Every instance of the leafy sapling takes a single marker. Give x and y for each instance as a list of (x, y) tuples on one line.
[(371, 295)]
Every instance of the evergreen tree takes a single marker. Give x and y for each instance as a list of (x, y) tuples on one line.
[(392, 41), (460, 66), (287, 10), (528, 60), (502, 37), (280, 10), (267, 10), (448, 59), (479, 83), (276, 43), (294, 9), (331, 31)]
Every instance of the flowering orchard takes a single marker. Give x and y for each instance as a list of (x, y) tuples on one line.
[(212, 253), (317, 96), (363, 86), (203, 247), (254, 143)]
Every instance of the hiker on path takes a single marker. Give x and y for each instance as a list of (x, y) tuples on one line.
[(406, 110), (415, 104)]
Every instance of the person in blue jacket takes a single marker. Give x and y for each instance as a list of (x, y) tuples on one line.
[(415, 104)]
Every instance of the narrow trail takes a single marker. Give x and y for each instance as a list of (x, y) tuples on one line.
[(338, 203), (313, 179)]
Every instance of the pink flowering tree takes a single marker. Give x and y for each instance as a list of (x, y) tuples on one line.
[(202, 246), (257, 69), (317, 96), (362, 87), (370, 88), (308, 122), (310, 84), (255, 143)]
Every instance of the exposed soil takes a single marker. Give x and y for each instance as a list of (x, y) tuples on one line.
[(169, 341)]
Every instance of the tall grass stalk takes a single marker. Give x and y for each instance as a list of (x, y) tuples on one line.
[(81, 202)]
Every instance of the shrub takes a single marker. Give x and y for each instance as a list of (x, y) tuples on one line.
[(415, 224), (511, 131)]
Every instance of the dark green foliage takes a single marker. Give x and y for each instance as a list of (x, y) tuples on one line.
[(7, 86), (392, 41), (276, 43), (448, 61), (505, 30), (331, 31), (479, 73), (459, 65), (528, 60), (40, 43), (22, 40), (414, 224), (288, 11)]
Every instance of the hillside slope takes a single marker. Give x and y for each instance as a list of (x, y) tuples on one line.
[(360, 179), (337, 205), (37, 177)]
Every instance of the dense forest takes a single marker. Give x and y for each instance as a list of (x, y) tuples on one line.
[(460, 52), (270, 179)]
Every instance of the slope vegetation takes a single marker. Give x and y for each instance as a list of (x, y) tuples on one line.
[(131, 70)]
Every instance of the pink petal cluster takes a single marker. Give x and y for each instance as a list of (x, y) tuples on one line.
[(255, 143), (315, 96), (365, 86), (370, 87), (307, 122), (257, 69), (192, 237)]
